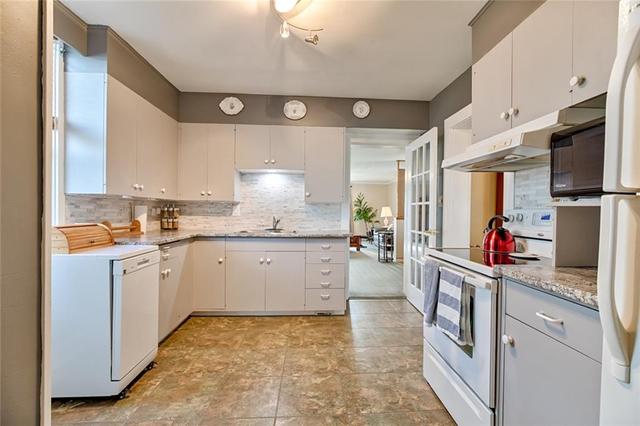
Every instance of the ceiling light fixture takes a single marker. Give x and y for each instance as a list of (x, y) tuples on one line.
[(285, 6)]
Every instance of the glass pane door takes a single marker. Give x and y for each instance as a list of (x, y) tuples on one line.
[(420, 211)]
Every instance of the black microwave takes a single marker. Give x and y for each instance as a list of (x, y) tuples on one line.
[(577, 160)]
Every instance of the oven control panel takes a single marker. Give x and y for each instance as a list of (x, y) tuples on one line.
[(530, 223)]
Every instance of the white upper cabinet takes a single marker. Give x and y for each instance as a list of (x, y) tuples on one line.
[(206, 167), (560, 55), (192, 161), (157, 150), (121, 139), (324, 164), (117, 142), (542, 62), (252, 147), (595, 32), (269, 147), (491, 91), (286, 147)]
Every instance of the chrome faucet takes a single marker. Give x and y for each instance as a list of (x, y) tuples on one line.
[(276, 222)]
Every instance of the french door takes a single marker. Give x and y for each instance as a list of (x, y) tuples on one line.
[(421, 210)]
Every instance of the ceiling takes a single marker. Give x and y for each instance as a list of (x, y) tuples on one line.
[(386, 49), (374, 153)]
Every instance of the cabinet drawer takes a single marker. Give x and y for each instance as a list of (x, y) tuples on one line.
[(326, 257), (576, 326), (325, 300), (325, 276), (177, 250), (265, 244), (326, 244)]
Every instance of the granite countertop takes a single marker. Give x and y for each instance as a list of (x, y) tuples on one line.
[(575, 284), (166, 237)]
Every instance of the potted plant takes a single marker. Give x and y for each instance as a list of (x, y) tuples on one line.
[(363, 212)]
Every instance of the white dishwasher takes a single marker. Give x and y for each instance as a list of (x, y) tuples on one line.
[(104, 318), (135, 312)]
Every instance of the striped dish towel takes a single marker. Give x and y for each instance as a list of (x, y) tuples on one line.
[(430, 278), (453, 314)]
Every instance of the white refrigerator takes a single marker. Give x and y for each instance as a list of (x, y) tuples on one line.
[(619, 254)]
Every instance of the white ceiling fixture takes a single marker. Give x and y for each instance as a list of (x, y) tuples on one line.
[(370, 49), (285, 7)]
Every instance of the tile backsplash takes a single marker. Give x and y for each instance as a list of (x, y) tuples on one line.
[(262, 195), (531, 188)]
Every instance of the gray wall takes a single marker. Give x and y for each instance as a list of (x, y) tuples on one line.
[(68, 27), (451, 99), (20, 211), (496, 21), (265, 109)]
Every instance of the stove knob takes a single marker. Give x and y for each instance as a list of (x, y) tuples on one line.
[(519, 217), (510, 217)]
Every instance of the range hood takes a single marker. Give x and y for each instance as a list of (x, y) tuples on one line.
[(524, 147)]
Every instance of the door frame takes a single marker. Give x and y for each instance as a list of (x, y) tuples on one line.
[(414, 294)]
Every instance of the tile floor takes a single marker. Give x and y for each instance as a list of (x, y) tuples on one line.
[(363, 368)]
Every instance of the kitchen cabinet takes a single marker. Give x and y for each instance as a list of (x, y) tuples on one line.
[(209, 274), (156, 152), (245, 280), (286, 147), (542, 62), (285, 281), (593, 50), (116, 142), (261, 147), (265, 274), (491, 91), (551, 360), (176, 287), (206, 166), (552, 60), (324, 154)]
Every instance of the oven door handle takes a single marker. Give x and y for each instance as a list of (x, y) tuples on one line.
[(471, 280)]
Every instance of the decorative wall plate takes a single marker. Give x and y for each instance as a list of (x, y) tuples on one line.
[(361, 109), (295, 110), (231, 105)]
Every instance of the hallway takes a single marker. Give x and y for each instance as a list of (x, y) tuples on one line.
[(370, 278)]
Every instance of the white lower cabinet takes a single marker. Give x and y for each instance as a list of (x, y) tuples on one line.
[(176, 287), (550, 363), (245, 286), (285, 279), (209, 274)]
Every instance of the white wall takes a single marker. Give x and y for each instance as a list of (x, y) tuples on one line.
[(377, 195)]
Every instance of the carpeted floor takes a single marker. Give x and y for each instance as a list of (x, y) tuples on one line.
[(370, 278)]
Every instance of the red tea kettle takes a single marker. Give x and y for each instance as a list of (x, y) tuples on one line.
[(499, 239)]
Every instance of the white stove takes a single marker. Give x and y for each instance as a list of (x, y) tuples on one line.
[(464, 378)]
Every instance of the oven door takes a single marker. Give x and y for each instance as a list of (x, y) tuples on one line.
[(475, 365)]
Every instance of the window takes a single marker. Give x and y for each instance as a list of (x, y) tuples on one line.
[(57, 155)]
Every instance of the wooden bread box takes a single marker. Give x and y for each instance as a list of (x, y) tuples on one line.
[(74, 238)]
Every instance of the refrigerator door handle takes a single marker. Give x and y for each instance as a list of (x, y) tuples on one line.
[(616, 149), (615, 335)]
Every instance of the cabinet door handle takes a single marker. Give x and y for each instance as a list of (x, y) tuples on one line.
[(141, 187), (202, 193), (325, 259), (220, 260), (326, 246), (577, 80), (135, 186), (325, 296), (261, 260), (163, 190), (266, 161), (504, 115), (507, 340), (513, 111), (308, 194), (548, 318), (273, 161), (268, 261), (209, 193), (325, 284), (325, 271), (165, 256)]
